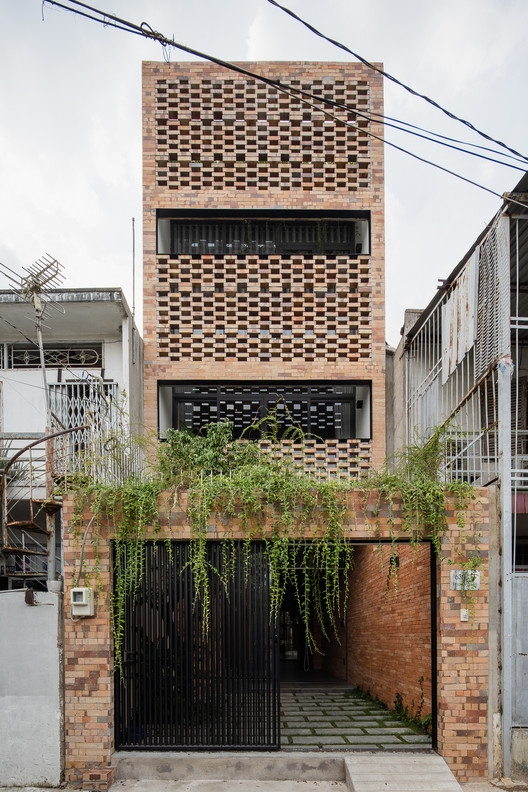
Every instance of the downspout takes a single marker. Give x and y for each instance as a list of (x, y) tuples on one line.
[(505, 500)]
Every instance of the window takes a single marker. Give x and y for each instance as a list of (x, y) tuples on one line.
[(280, 234), (324, 410)]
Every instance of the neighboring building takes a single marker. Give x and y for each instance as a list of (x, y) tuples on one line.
[(264, 255), (462, 363), (93, 357)]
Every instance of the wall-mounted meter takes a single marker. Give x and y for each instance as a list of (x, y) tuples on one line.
[(82, 602)]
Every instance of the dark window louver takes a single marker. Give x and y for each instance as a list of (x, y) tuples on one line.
[(263, 237)]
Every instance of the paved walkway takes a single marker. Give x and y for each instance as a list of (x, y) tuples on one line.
[(340, 720)]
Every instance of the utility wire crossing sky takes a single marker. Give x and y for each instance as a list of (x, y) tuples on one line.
[(72, 166)]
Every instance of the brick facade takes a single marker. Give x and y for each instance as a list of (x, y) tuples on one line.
[(214, 140), (462, 647)]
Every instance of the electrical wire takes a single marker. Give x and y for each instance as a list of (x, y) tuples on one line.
[(145, 30), (14, 327), (447, 137), (396, 81)]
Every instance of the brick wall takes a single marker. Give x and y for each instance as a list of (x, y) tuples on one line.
[(219, 141), (462, 647), (389, 625)]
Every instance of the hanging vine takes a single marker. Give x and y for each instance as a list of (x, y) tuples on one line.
[(258, 493)]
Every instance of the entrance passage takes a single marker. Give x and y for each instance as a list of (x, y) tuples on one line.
[(184, 687)]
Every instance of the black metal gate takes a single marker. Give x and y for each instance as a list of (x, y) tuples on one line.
[(189, 689)]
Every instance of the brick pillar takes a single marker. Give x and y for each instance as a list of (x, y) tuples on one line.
[(88, 662), (463, 655)]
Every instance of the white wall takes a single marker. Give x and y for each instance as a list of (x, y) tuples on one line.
[(23, 402), (30, 709), (113, 363), (363, 428)]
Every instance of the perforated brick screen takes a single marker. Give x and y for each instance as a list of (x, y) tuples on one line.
[(229, 132), (274, 308)]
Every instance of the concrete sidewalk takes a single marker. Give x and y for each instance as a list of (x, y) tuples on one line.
[(285, 772), (215, 785)]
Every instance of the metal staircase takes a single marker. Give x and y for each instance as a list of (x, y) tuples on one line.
[(34, 466)]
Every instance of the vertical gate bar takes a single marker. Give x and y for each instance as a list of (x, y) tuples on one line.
[(198, 634), (216, 678), (248, 671), (255, 638), (148, 659), (159, 593), (219, 686), (142, 714), (265, 649), (136, 673), (142, 709), (211, 653), (154, 643), (164, 595), (229, 721), (208, 651), (152, 647), (169, 667), (171, 656), (190, 675), (261, 649), (187, 648), (240, 657), (131, 672), (218, 660), (232, 678), (259, 644), (235, 680), (181, 626), (178, 649), (207, 660), (224, 669)]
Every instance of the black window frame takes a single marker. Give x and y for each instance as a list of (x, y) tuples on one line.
[(277, 220), (264, 397)]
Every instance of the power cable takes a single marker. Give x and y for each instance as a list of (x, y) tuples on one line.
[(396, 81), (145, 30), (33, 343), (446, 137)]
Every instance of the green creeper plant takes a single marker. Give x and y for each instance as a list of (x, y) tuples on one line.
[(254, 485)]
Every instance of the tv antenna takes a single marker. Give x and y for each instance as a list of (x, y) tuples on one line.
[(35, 287)]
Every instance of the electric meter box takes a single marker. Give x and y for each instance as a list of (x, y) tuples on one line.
[(82, 602)]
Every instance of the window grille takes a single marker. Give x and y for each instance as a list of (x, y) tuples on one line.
[(72, 403), (25, 356)]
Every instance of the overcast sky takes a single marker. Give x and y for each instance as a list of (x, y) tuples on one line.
[(70, 121)]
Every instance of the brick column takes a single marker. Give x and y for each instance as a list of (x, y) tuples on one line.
[(88, 663), (463, 654)]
